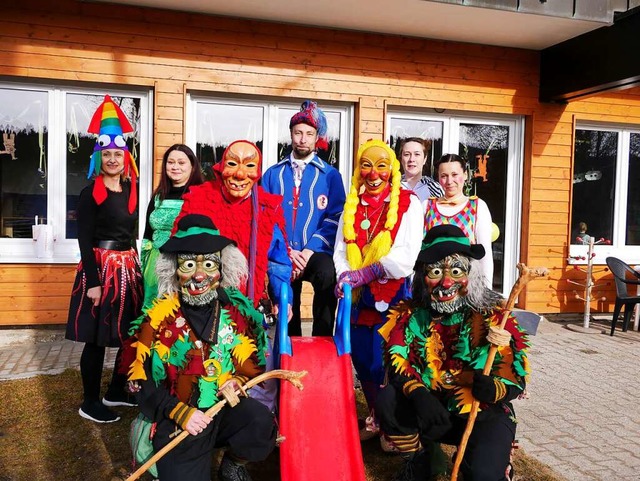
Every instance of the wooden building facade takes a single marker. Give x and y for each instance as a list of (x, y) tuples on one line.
[(175, 57)]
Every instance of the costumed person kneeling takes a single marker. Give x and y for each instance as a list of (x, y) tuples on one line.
[(189, 355), (435, 350)]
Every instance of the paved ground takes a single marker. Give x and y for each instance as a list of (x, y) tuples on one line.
[(582, 417)]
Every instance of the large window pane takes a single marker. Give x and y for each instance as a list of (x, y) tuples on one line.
[(218, 125), (425, 129), (633, 192), (594, 184), (486, 148), (23, 161), (80, 144)]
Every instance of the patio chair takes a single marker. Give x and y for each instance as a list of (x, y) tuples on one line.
[(627, 282)]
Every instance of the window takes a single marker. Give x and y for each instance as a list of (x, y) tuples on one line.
[(213, 123), (44, 159), (492, 146), (606, 197)]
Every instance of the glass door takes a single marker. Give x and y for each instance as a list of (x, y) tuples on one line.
[(493, 149)]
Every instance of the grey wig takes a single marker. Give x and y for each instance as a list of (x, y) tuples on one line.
[(233, 268), (479, 296)]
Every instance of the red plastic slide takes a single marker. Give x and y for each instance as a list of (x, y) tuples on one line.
[(319, 423)]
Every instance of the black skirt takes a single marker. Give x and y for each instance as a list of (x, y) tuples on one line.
[(107, 323)]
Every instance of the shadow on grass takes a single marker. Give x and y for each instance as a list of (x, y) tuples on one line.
[(42, 438)]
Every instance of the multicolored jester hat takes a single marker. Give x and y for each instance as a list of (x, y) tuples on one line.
[(110, 124)]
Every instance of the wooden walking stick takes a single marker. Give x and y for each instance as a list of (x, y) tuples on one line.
[(292, 376), (526, 274)]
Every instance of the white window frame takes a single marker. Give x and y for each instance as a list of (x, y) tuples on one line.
[(450, 138), (66, 251), (270, 119), (629, 253)]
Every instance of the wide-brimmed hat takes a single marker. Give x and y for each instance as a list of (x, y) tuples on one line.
[(447, 239), (196, 234)]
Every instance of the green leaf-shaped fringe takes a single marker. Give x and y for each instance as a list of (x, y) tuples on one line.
[(463, 348), (208, 393), (178, 352), (158, 372), (246, 309)]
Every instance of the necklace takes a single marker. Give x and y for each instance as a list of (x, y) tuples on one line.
[(366, 223), (370, 233)]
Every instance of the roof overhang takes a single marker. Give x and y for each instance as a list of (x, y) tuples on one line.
[(414, 18), (580, 56), (605, 59)]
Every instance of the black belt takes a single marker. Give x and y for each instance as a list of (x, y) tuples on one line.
[(114, 245)]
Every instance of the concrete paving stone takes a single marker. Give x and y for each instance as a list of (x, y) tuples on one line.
[(592, 454), (615, 466), (624, 458), (569, 442)]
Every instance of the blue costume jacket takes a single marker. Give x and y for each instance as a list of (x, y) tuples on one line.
[(320, 203)]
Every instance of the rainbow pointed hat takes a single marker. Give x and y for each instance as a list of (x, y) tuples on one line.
[(110, 124)]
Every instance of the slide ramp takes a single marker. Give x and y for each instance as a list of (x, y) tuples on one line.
[(319, 423)]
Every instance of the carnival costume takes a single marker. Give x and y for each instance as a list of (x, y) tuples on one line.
[(106, 236), (161, 216), (313, 198), (255, 223), (474, 218), (375, 254), (189, 347), (435, 349), (253, 219)]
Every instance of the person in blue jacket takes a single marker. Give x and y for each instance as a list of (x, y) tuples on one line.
[(314, 197)]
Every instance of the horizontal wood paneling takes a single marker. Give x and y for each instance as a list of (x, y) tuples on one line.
[(175, 53), (35, 294)]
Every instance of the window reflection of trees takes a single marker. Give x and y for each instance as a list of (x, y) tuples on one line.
[(220, 124), (486, 149), (80, 144), (23, 161), (595, 158), (633, 192), (425, 129)]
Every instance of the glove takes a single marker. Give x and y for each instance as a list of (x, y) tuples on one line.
[(181, 414), (487, 389), (433, 418), (359, 277)]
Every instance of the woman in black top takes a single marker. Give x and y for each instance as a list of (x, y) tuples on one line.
[(107, 293)]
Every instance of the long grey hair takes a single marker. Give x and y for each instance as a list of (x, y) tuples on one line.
[(233, 268), (479, 297)]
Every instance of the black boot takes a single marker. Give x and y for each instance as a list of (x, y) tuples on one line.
[(416, 467), (232, 471)]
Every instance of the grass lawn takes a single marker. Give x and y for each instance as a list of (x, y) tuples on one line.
[(42, 438)]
